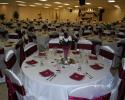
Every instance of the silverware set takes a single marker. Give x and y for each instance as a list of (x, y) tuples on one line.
[(87, 74), (50, 78)]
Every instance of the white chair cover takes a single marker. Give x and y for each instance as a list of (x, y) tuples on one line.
[(90, 92), (22, 93)]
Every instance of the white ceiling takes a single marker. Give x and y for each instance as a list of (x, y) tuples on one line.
[(94, 3)]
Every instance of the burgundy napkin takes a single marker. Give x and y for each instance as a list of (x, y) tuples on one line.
[(96, 66), (93, 57), (59, 51), (76, 52), (46, 73), (76, 76), (31, 62), (42, 54)]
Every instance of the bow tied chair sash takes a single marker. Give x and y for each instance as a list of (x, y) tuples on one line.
[(84, 46), (106, 54), (54, 45), (13, 88), (1, 50), (10, 63), (31, 50), (104, 97)]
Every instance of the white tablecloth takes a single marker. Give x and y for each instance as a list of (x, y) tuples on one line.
[(59, 87)]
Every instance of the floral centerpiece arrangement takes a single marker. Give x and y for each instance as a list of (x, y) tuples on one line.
[(65, 42)]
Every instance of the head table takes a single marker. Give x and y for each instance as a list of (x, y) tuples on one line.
[(58, 85)]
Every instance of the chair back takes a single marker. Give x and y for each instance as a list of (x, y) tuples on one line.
[(14, 85), (1, 61), (11, 62), (93, 92), (30, 48), (20, 52)]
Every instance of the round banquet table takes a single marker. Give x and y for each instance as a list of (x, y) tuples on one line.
[(58, 87)]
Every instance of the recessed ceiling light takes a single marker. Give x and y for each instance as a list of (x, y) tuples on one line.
[(21, 4), (111, 0), (42, 0), (4, 3), (88, 3), (20, 1), (66, 4), (57, 2), (60, 6), (38, 3), (46, 7), (117, 6), (32, 5), (76, 6), (47, 4), (100, 7), (56, 8)]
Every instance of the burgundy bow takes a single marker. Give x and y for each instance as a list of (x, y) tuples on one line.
[(54, 45), (12, 88)]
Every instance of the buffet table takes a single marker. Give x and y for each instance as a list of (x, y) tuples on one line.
[(48, 77)]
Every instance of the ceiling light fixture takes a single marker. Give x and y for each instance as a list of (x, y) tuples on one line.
[(39, 4), (60, 6), (21, 5), (88, 3), (42, 0), (4, 3), (111, 0), (57, 2), (20, 1), (46, 7), (76, 6), (66, 4), (117, 6), (32, 5), (47, 4)]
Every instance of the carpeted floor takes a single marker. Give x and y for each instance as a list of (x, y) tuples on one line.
[(3, 91)]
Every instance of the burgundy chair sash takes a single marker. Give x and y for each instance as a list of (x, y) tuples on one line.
[(104, 97), (122, 73), (13, 36), (21, 52), (54, 45), (12, 88), (93, 49), (1, 75), (1, 50), (11, 62), (84, 46), (31, 50), (106, 54)]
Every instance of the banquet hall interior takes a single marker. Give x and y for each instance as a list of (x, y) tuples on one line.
[(62, 49)]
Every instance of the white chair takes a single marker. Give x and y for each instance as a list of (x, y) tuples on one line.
[(30, 48), (16, 89), (107, 54), (92, 92), (2, 65), (20, 54)]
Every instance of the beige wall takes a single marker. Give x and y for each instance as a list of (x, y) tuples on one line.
[(110, 15)]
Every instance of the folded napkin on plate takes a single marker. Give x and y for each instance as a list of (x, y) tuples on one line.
[(59, 51), (76, 52), (76, 76), (93, 57), (46, 73), (31, 62), (42, 54), (96, 66)]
